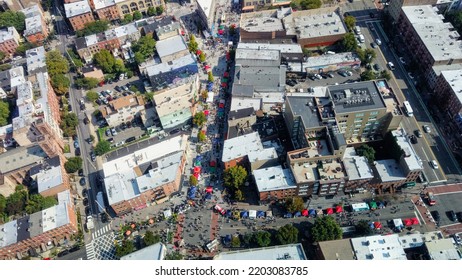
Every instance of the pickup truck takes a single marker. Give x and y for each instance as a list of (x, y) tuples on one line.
[(90, 224)]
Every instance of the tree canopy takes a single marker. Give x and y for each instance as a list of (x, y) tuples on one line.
[(152, 11), (199, 119), (235, 241), (60, 83), (149, 238), (68, 124), (366, 151), (86, 83), (16, 202), (287, 234), (326, 228), (92, 96), (306, 4), (234, 179), (202, 57), (192, 44), (127, 247), (363, 228), (350, 22), (102, 147), (73, 164), (137, 15), (127, 19), (368, 75), (4, 113), (108, 63), (366, 56), (349, 42), (56, 63), (173, 256), (144, 48), (294, 204), (201, 136), (38, 203), (13, 18), (210, 77), (384, 74), (94, 27), (192, 181), (262, 238)]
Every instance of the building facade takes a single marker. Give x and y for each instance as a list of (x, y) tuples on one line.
[(36, 28), (106, 10), (123, 109), (9, 40), (126, 7), (79, 14)]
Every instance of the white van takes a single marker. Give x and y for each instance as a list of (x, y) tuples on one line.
[(357, 30), (361, 38)]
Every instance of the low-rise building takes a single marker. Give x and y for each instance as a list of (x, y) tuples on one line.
[(79, 14), (341, 249), (155, 252), (106, 9), (50, 177), (123, 109), (358, 171), (36, 29), (37, 231), (236, 150), (449, 88), (326, 63), (145, 176), (274, 183), (206, 12), (291, 252), (378, 247), (126, 7), (9, 40), (171, 48)]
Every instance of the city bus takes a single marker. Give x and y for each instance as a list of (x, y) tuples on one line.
[(408, 109)]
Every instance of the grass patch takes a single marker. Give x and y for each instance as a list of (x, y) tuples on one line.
[(67, 149), (101, 132)]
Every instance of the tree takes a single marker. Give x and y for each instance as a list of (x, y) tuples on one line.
[(287, 234), (15, 19), (16, 202), (127, 19), (199, 119), (125, 248), (192, 180), (92, 96), (149, 95), (205, 94), (37, 203), (201, 136), (294, 204), (60, 83), (149, 238), (192, 44), (350, 22), (73, 164), (368, 75), (363, 228), (68, 124), (384, 74), (137, 15), (144, 48), (2, 55), (349, 42), (310, 4), (234, 177), (56, 63), (366, 151), (326, 228), (262, 238), (247, 239), (235, 241), (5, 67), (174, 256), (86, 83), (23, 47), (159, 10), (2, 203), (366, 56), (105, 60), (4, 113), (239, 195), (210, 77), (202, 57), (152, 11), (94, 27), (307, 52), (102, 147)]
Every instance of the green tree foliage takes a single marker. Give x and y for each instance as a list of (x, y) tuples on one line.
[(73, 164), (60, 83), (105, 60), (127, 247), (75, 58), (152, 11), (363, 228), (368, 75), (235, 241), (366, 151), (192, 44), (92, 96), (210, 77), (366, 56), (384, 74), (205, 94), (144, 48), (201, 136), (456, 19), (127, 19), (349, 42), (234, 177), (2, 55), (199, 119), (4, 113), (326, 228), (2, 203), (38, 203), (149, 96), (294, 204), (159, 10), (137, 15), (149, 238), (90, 28), (393, 148), (86, 83), (262, 238), (23, 47), (247, 239), (307, 52), (202, 57), (306, 4), (12, 18), (56, 63), (4, 67), (68, 124), (239, 195), (350, 22), (102, 147), (172, 256), (287, 234), (16, 202), (192, 180)]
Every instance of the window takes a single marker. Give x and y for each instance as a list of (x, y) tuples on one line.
[(359, 115), (374, 113), (358, 120)]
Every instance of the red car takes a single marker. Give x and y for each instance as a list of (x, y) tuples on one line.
[(219, 209)]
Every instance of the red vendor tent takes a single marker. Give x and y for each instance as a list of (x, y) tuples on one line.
[(206, 112), (377, 225), (226, 74), (197, 169), (305, 212), (213, 163), (207, 67), (329, 211), (407, 222), (209, 189), (338, 209), (224, 84), (415, 221), (198, 52)]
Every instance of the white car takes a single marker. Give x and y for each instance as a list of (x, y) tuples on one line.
[(378, 41), (434, 164), (427, 129), (319, 77), (391, 66)]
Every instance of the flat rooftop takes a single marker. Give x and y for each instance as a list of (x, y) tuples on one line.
[(356, 97), (337, 249), (77, 8), (439, 37), (36, 60), (100, 4), (241, 146), (282, 252), (305, 172), (170, 46), (262, 21), (411, 158), (239, 103), (357, 168), (262, 78), (265, 154), (315, 23), (21, 157), (389, 170), (454, 80), (378, 247), (274, 179), (305, 108), (165, 67), (283, 48), (154, 252), (258, 54), (320, 61), (207, 7), (49, 178)]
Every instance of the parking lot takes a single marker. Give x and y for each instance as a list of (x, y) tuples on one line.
[(316, 82), (447, 202)]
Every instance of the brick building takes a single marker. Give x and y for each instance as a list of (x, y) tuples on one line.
[(106, 9), (50, 177), (123, 109), (79, 14), (9, 40), (449, 87), (274, 183), (36, 29), (126, 7)]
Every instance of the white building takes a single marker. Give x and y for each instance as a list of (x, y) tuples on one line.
[(123, 109), (378, 247), (274, 179), (291, 252)]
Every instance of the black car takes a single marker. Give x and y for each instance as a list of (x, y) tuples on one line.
[(130, 139), (459, 216), (436, 216), (342, 73), (77, 152), (84, 192), (85, 201), (451, 215), (63, 253), (74, 249), (92, 156), (175, 131), (413, 139), (88, 211), (104, 218), (80, 172), (69, 107), (118, 88), (82, 181), (82, 107), (86, 121)]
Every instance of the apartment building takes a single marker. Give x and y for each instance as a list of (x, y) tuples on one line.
[(9, 40), (171, 48), (37, 231), (274, 183), (126, 7), (147, 176), (36, 28), (236, 150), (50, 177), (449, 88), (430, 41), (206, 12), (123, 109), (79, 13), (395, 6), (106, 9), (174, 104), (251, 5), (358, 170)]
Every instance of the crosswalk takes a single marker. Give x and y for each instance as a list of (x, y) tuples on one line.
[(90, 249), (101, 231)]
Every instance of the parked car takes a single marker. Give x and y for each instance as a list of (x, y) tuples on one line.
[(76, 144), (113, 131), (391, 66), (130, 139), (77, 152), (118, 88), (436, 216), (457, 239), (92, 156), (378, 41), (413, 139), (80, 172), (451, 215), (108, 132), (175, 131), (330, 74), (63, 253), (342, 73), (373, 45), (459, 216), (82, 181), (125, 88), (427, 129), (418, 133), (434, 164)]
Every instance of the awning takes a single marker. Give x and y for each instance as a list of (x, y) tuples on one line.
[(373, 205), (229, 213), (197, 169), (312, 212), (298, 214), (244, 214), (398, 223), (415, 221), (208, 196), (198, 52), (248, 8), (220, 32), (206, 112), (213, 163), (329, 211), (224, 85), (252, 214), (338, 209), (221, 105), (377, 225), (207, 67), (226, 74), (407, 222), (305, 212), (260, 214), (269, 213), (209, 189), (288, 215)]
